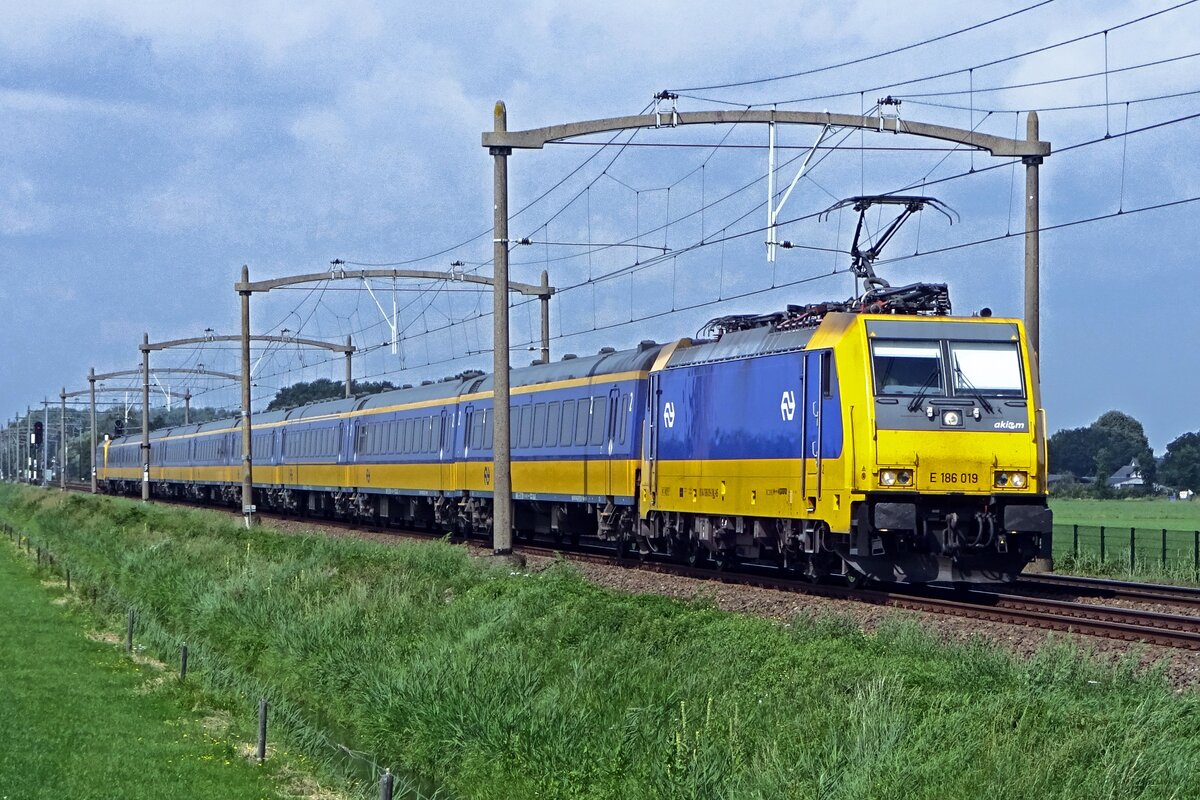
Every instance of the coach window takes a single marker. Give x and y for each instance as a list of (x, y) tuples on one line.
[(475, 427), (539, 425), (487, 430), (526, 425), (827, 374), (582, 419), (567, 427), (599, 416), (552, 415)]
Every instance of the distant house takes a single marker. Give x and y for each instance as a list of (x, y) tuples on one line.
[(1127, 477)]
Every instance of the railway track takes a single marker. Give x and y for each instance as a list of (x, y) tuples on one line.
[(1179, 631), (1134, 625), (1106, 588)]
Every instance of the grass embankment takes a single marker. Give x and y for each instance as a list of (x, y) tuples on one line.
[(81, 721), (496, 685)]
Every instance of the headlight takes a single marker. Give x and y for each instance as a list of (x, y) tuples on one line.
[(904, 478), (951, 418), (1013, 479), (887, 477)]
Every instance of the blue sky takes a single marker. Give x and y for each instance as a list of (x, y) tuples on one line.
[(151, 149)]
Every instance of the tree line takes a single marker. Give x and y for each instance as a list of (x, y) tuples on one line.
[(1116, 439)]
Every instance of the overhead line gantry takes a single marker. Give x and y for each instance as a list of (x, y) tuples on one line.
[(501, 142)]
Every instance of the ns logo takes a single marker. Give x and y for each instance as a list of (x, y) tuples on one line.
[(787, 406), (669, 415)]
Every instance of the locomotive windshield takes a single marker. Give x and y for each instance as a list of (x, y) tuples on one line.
[(992, 368), (912, 367), (924, 368)]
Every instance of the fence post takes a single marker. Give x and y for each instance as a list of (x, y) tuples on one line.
[(1132, 547), (183, 655), (1075, 540), (262, 730), (1196, 553), (1164, 548), (1101, 544), (68, 580), (386, 785), (129, 631)]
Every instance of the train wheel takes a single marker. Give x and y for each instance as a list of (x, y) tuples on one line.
[(725, 558), (622, 548), (855, 580), (695, 555)]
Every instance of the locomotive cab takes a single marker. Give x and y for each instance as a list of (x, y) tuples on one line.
[(949, 467)]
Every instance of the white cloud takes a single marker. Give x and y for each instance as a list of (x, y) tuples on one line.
[(21, 212), (273, 28)]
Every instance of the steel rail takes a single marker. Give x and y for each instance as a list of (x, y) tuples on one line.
[(1107, 588)]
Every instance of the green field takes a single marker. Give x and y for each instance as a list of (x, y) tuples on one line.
[(1094, 537), (492, 684), (1138, 513), (82, 721)]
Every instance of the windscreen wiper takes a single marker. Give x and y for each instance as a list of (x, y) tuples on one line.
[(970, 387), (915, 403)]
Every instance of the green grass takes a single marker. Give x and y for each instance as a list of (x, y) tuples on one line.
[(497, 685), (1135, 512), (80, 722)]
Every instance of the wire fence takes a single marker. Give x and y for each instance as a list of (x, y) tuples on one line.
[(1138, 549)]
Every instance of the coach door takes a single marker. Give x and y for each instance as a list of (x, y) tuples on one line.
[(613, 474), (650, 436), (446, 451)]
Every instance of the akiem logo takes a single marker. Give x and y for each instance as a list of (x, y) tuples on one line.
[(787, 406), (669, 415)]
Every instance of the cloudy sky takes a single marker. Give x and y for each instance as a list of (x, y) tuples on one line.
[(151, 149)]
